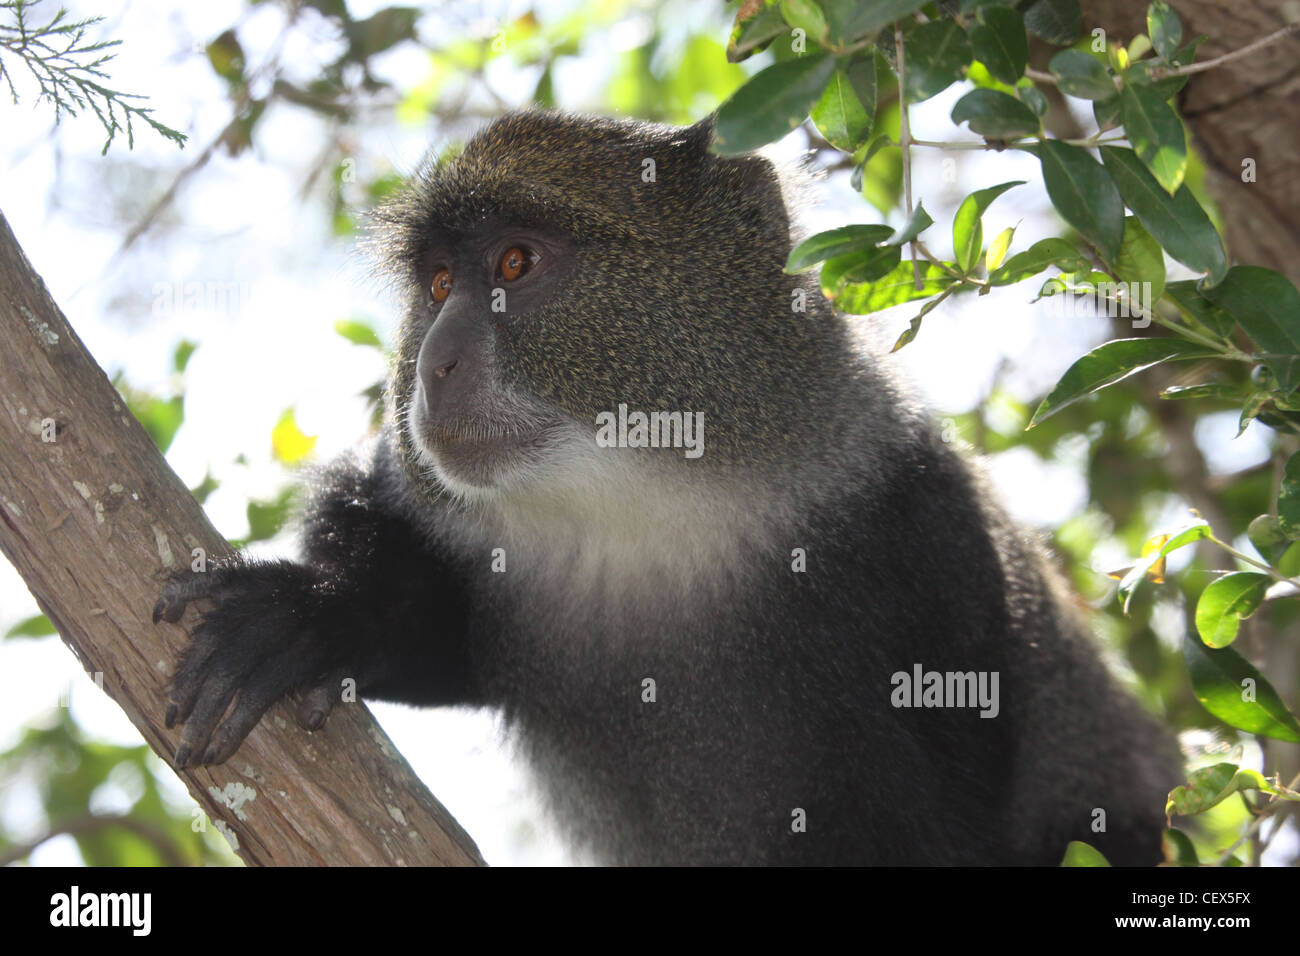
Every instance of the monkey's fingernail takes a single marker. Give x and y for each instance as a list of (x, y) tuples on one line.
[(182, 755), (158, 610), (316, 720), (209, 755), (169, 718)]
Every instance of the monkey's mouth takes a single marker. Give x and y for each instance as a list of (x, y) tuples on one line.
[(440, 439), (480, 457)]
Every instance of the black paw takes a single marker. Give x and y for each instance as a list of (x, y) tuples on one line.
[(265, 636)]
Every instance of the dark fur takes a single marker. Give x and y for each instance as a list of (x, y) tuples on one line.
[(773, 687)]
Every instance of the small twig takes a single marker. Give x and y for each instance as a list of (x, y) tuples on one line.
[(1087, 142), (920, 247), (1159, 72), (905, 141)]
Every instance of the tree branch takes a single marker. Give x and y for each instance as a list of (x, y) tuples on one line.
[(93, 520)]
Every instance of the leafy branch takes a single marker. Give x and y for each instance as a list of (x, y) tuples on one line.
[(68, 69)]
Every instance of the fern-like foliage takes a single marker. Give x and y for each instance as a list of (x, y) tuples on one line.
[(68, 70)]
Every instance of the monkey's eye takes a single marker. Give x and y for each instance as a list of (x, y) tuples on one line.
[(515, 261), (441, 284)]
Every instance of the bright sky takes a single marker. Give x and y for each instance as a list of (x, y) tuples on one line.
[(242, 225)]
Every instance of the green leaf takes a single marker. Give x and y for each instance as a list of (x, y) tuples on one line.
[(1106, 113), (1038, 257), (1142, 260), (995, 115), (1266, 534), (1288, 499), (1166, 88), (358, 333), (1266, 304), (1032, 96), (870, 17), (865, 265), (161, 418), (753, 34), (204, 488), (1111, 363), (36, 626), (1164, 28), (998, 41), (1155, 551), (835, 242), (1224, 682), (877, 144), (267, 517), (807, 16), (1204, 390), (181, 357), (910, 332), (916, 224), (847, 108), (1178, 222), (997, 250), (771, 103), (935, 54), (1084, 194), (893, 288), (967, 229), (1210, 786), (1082, 75), (1081, 854), (1188, 298), (1156, 134), (1076, 283), (1139, 74), (1225, 602), (1289, 563), (1056, 21), (227, 57), (1178, 848), (978, 74)]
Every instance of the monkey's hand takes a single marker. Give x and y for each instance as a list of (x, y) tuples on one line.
[(273, 630)]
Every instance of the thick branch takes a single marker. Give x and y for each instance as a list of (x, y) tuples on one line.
[(92, 521)]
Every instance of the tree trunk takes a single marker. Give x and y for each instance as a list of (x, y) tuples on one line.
[(1243, 109), (93, 520)]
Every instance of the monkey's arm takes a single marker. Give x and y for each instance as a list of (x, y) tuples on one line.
[(372, 601)]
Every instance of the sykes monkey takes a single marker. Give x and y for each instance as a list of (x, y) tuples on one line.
[(701, 656)]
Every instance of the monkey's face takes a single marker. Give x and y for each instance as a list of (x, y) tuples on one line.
[(465, 418), (565, 268)]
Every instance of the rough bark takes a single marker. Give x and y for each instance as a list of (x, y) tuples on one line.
[(93, 521), (1245, 108)]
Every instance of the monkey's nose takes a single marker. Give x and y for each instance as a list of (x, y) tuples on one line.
[(444, 370)]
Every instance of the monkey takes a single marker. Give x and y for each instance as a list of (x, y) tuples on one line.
[(739, 656)]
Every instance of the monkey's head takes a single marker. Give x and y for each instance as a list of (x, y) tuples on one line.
[(561, 267)]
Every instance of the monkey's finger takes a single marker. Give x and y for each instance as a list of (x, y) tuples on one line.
[(316, 702), (178, 592), (254, 700), (169, 608), (188, 681), (207, 709)]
